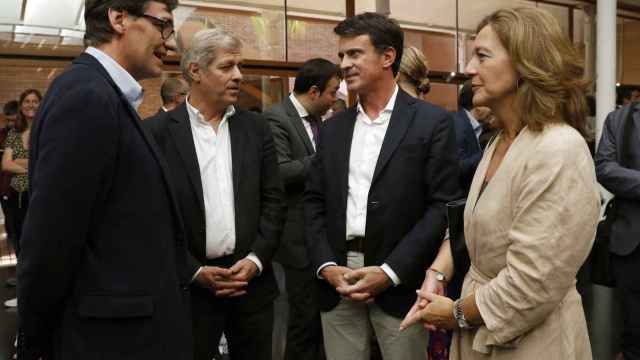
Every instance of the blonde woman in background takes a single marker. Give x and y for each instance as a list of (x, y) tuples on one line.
[(531, 214), (412, 76)]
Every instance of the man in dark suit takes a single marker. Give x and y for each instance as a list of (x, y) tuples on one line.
[(173, 92), (223, 163), (103, 268), (375, 198), (618, 170), (469, 126), (295, 124)]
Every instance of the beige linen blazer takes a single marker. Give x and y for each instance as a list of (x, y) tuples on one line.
[(528, 233)]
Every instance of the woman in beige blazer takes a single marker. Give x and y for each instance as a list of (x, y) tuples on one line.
[(533, 207)]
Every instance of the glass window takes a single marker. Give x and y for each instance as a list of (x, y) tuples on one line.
[(310, 26)]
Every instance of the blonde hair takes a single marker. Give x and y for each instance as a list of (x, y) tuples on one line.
[(551, 87), (414, 67), (204, 49)]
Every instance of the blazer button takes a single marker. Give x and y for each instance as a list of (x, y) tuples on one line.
[(374, 204)]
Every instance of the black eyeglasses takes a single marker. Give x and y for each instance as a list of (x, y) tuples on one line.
[(165, 26)]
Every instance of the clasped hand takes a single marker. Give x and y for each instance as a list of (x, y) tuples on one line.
[(357, 285), (432, 308), (230, 282)]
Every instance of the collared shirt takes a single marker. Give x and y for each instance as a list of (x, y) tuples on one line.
[(368, 136), (213, 150), (303, 115), (475, 124), (130, 88)]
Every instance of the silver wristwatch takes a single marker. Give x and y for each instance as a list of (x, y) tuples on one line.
[(458, 314), (439, 275)]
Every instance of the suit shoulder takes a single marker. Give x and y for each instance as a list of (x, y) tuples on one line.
[(432, 109), (156, 122), (80, 76)]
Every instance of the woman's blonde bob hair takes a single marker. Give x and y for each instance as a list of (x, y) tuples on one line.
[(551, 87)]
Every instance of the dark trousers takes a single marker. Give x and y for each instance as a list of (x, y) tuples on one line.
[(304, 331), (248, 333), (17, 204), (626, 270)]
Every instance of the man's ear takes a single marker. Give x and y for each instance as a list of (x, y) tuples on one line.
[(389, 57), (314, 92), (194, 72), (117, 19)]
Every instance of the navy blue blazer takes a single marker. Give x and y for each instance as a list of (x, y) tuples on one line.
[(406, 215), (622, 181), (103, 270), (469, 149)]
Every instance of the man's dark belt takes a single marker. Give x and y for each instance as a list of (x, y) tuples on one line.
[(356, 244)]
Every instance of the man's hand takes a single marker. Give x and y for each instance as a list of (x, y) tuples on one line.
[(439, 313), (219, 281), (429, 285), (366, 283), (244, 270), (335, 275)]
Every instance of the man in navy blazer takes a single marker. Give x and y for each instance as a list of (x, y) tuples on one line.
[(468, 129), (103, 269), (618, 170), (375, 198)]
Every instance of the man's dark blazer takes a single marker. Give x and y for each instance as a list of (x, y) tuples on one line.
[(102, 271), (469, 149), (415, 176), (622, 181), (257, 191), (295, 151)]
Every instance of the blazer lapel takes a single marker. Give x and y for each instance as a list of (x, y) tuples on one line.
[(401, 118), (181, 131), (239, 141), (343, 151), (296, 120)]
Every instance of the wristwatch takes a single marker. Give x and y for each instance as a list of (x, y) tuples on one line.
[(458, 314), (439, 275)]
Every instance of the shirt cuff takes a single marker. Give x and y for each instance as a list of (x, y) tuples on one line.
[(391, 274), (253, 257), (193, 278), (324, 266)]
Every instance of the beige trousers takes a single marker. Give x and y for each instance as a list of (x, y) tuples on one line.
[(349, 327)]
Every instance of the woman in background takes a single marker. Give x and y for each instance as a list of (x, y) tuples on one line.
[(412, 77)]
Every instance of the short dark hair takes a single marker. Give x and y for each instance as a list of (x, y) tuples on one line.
[(465, 98), (170, 88), (315, 72), (383, 31), (21, 123), (10, 108), (96, 16)]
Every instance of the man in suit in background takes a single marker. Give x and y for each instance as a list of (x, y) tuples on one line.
[(295, 123), (224, 166), (375, 198), (618, 170), (173, 92), (469, 126), (103, 269)]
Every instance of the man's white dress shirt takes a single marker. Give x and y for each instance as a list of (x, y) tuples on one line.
[(368, 136), (213, 149)]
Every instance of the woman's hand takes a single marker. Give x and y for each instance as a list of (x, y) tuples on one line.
[(429, 285), (438, 313)]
